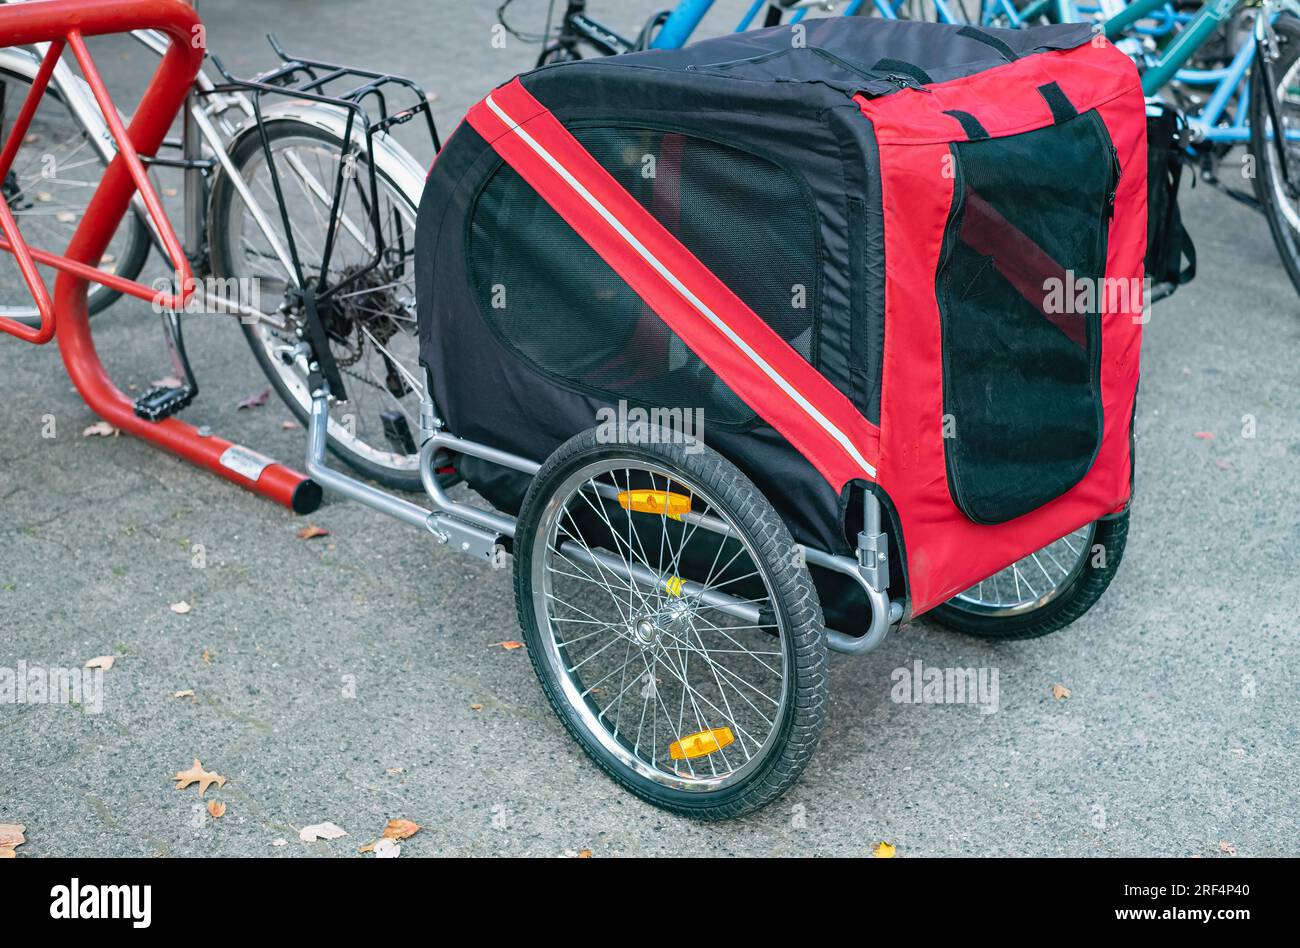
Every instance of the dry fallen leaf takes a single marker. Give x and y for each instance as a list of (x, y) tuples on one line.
[(311, 531), (386, 849), (476, 707), (309, 834), (197, 774), (400, 829), (279, 842), (104, 661), (45, 197), (180, 608), (510, 645), (7, 853), (290, 425), (11, 836), (170, 192), (216, 809), (255, 401), (883, 850), (584, 853), (1227, 848), (187, 693), (207, 657), (1059, 691), (100, 429), (394, 771), (65, 217)]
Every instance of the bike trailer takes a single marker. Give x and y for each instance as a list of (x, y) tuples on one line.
[(885, 256)]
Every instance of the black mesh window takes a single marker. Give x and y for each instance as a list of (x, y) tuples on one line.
[(553, 300), (1021, 331)]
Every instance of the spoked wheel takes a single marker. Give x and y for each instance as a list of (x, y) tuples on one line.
[(54, 175), (1279, 194), (370, 320), (669, 622), (1045, 591)]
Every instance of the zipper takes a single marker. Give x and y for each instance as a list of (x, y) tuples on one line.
[(952, 228), (907, 82), (1115, 172)]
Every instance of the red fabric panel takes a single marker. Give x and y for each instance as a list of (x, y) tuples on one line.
[(829, 455), (1005, 99), (946, 552)]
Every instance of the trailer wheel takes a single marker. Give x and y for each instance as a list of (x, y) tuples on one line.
[(1045, 591), (690, 663)]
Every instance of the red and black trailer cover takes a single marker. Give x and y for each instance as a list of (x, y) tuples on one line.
[(869, 255)]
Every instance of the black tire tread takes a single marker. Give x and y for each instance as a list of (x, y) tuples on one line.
[(794, 588), (1285, 239)]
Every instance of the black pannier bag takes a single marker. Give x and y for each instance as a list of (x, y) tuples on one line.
[(835, 244), (1171, 255)]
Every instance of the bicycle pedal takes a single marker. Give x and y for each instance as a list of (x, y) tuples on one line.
[(163, 402), (398, 432)]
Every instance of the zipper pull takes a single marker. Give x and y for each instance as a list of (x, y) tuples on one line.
[(907, 82)]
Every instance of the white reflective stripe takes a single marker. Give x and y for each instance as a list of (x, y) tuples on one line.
[(690, 297)]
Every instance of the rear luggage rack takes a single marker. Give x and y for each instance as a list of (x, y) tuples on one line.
[(312, 80)]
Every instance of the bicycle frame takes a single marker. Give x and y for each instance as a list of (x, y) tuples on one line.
[(1231, 83)]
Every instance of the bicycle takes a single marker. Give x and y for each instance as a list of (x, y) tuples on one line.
[(1253, 90), (345, 232)]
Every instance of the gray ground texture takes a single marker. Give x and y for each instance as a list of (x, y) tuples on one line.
[(1179, 737)]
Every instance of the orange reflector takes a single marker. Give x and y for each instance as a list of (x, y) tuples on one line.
[(701, 744), (655, 502)]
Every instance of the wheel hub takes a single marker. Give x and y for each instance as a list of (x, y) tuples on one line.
[(646, 632)]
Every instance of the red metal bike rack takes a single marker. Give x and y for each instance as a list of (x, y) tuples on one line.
[(66, 23)]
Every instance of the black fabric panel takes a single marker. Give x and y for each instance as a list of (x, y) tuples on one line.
[(550, 297), (969, 124), (1062, 108), (867, 319), (857, 321), (941, 50), (988, 39), (488, 394)]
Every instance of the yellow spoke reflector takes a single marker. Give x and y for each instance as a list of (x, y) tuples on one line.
[(655, 502), (673, 584), (701, 744)]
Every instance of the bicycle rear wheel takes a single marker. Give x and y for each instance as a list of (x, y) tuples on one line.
[(370, 322), (1279, 193)]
